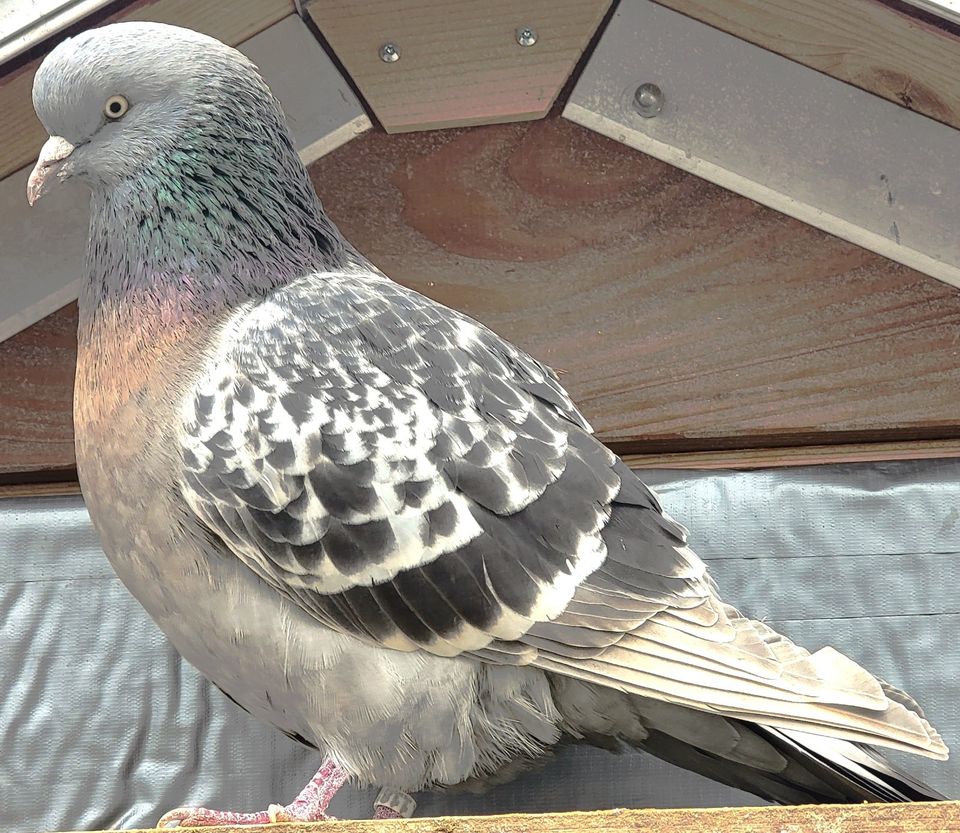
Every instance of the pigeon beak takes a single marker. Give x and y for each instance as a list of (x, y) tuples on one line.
[(54, 151)]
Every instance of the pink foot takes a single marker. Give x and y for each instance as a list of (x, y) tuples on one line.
[(310, 805)]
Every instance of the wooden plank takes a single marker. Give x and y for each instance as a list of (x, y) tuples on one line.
[(67, 488), (925, 817), (460, 62), (731, 458), (37, 367), (29, 24), (888, 48), (791, 138), (946, 10), (21, 134), (813, 455), (682, 317)]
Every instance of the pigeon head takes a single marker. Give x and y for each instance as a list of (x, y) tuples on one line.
[(190, 162), (115, 98)]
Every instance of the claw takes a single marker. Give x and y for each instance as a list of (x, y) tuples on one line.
[(277, 813), (202, 817), (310, 805)]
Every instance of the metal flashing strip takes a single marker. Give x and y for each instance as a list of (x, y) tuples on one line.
[(41, 248), (782, 134), (23, 25)]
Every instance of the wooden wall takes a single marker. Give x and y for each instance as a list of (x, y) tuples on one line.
[(682, 317)]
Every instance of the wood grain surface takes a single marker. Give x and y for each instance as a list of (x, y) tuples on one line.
[(680, 316), (37, 366), (66, 488), (460, 62), (806, 455), (885, 47), (862, 818)]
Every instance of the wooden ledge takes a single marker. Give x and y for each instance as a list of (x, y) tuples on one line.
[(927, 817), (810, 455)]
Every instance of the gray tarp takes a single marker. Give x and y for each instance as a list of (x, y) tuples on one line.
[(102, 725)]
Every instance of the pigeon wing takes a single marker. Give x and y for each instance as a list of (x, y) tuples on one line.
[(395, 467), (407, 476)]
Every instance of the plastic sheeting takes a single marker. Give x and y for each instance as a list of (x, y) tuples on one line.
[(102, 725)]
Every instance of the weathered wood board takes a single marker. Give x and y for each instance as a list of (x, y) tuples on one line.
[(888, 48), (681, 316), (861, 818), (460, 61), (36, 395), (787, 136)]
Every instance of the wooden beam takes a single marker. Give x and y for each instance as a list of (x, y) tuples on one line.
[(812, 455), (729, 458), (940, 10), (460, 63), (21, 134), (787, 136), (682, 317), (37, 367), (883, 46), (30, 24), (926, 817), (66, 488)]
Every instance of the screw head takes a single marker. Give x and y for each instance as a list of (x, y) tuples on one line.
[(526, 36), (389, 53), (648, 100)]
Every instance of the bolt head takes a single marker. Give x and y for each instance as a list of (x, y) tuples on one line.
[(526, 36), (648, 100), (389, 53)]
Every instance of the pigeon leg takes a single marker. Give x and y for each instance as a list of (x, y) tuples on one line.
[(310, 805), (393, 804)]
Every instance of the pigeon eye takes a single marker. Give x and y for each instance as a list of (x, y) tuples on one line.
[(115, 107)]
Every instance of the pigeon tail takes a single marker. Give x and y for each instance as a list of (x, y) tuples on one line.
[(783, 765), (860, 771), (817, 770)]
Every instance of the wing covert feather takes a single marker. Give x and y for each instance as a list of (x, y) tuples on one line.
[(406, 476)]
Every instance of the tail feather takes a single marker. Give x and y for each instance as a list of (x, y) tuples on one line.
[(819, 770), (788, 765), (861, 765)]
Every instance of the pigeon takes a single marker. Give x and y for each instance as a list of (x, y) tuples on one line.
[(371, 521)]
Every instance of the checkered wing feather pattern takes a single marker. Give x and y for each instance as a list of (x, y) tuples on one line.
[(407, 476), (401, 471)]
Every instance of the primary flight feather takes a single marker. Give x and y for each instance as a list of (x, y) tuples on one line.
[(367, 518)]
